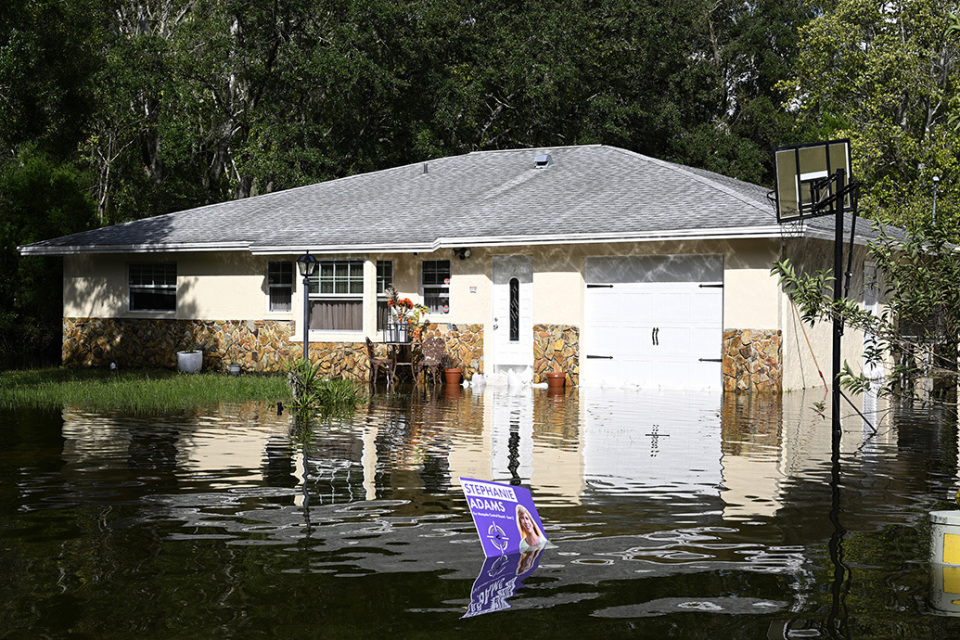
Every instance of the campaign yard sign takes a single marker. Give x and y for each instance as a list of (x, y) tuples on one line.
[(500, 577), (505, 517)]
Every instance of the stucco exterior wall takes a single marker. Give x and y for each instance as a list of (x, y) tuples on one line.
[(231, 287), (210, 286), (808, 350)]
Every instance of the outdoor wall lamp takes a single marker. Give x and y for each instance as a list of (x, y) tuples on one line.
[(307, 265), (463, 253)]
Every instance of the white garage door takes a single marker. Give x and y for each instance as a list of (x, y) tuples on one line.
[(653, 321)]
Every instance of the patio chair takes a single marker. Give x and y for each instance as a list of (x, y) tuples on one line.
[(377, 362), (433, 350)]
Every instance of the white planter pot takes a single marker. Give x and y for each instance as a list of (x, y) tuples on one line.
[(189, 361), (396, 332)]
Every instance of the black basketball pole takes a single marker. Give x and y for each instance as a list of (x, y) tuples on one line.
[(837, 618), (837, 297)]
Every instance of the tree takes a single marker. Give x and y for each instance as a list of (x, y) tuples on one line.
[(919, 328), (886, 75), (39, 198), (48, 52)]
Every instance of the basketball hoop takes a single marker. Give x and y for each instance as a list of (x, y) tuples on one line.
[(811, 178)]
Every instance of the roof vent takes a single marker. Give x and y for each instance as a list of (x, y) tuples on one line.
[(543, 161)]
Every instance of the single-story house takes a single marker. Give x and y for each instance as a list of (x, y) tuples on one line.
[(614, 267)]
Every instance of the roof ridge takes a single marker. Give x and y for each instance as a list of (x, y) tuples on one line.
[(543, 147)]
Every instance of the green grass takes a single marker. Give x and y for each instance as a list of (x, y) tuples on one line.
[(135, 391)]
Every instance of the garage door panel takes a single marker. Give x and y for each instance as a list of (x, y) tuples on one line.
[(673, 307), (606, 343), (604, 303), (635, 305), (658, 330), (674, 341)]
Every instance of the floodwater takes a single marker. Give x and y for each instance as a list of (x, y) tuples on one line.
[(670, 515)]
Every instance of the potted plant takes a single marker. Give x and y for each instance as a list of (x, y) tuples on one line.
[(405, 316), (190, 360), (451, 369), (556, 380)]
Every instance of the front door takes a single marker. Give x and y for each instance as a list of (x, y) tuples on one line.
[(512, 321)]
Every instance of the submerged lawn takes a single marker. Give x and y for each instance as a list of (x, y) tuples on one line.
[(147, 390)]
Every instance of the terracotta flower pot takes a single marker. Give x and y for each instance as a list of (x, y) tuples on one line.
[(556, 380), (452, 376)]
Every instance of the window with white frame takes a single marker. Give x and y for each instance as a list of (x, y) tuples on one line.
[(153, 286), (280, 286), (384, 282), (435, 282), (336, 296)]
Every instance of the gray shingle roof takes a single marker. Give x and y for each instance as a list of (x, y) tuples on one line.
[(482, 198)]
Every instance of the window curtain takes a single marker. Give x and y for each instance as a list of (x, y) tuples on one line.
[(336, 315), (383, 314)]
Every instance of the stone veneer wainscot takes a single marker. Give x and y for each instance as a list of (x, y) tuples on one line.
[(257, 345)]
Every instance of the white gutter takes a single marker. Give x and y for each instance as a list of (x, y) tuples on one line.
[(766, 231), (56, 250), (512, 241)]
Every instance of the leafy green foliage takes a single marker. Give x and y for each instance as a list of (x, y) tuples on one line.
[(188, 102), (886, 75), (313, 394), (48, 54), (137, 392), (39, 199), (919, 327)]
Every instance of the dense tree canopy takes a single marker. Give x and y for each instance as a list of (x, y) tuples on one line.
[(172, 103)]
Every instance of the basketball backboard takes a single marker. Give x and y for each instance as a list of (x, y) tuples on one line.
[(807, 178)]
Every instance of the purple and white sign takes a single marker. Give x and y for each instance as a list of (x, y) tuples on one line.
[(500, 577), (505, 517)]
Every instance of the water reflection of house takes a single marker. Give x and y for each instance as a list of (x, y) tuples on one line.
[(751, 455), (219, 448), (595, 442), (773, 446), (736, 455), (666, 441), (526, 439)]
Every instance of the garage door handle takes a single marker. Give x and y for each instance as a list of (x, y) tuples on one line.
[(655, 336), (599, 357)]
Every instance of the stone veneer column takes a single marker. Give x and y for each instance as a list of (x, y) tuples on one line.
[(556, 347), (752, 361), (464, 343)]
